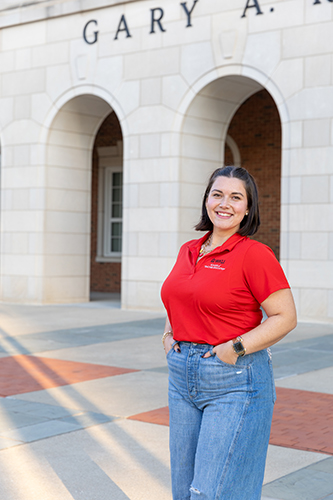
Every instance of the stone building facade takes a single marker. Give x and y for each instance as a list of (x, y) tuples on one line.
[(114, 113)]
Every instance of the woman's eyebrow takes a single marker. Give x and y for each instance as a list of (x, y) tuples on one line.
[(235, 192)]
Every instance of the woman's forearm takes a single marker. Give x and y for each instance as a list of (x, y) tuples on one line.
[(281, 312), (167, 327)]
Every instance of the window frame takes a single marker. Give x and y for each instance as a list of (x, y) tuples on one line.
[(108, 219)]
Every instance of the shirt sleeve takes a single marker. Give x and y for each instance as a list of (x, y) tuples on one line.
[(263, 273)]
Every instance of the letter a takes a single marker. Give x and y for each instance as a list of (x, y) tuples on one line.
[(255, 5), (125, 28)]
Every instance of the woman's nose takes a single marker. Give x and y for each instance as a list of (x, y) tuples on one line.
[(223, 202)]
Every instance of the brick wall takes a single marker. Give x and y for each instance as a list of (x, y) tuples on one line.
[(104, 276), (256, 129)]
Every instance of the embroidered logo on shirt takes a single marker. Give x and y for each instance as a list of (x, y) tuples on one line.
[(216, 264)]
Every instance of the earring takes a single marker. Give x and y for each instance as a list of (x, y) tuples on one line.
[(246, 213)]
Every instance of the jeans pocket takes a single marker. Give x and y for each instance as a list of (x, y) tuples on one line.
[(224, 363), (172, 348), (169, 352), (221, 378), (221, 361)]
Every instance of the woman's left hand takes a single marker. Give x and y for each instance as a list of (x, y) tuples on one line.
[(224, 352)]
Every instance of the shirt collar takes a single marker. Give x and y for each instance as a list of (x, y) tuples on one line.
[(227, 246)]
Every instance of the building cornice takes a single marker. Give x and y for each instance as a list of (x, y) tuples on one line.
[(14, 12)]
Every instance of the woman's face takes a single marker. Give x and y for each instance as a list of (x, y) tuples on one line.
[(226, 204)]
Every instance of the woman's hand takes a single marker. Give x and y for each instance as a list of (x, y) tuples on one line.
[(168, 344), (225, 353)]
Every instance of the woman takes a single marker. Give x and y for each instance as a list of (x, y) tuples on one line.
[(221, 386)]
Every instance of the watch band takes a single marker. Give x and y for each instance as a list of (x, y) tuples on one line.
[(238, 347)]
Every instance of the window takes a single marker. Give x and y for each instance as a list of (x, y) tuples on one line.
[(113, 212)]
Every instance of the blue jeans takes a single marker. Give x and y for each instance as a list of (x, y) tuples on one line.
[(220, 420)]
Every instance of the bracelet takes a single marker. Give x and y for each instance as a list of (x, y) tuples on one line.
[(165, 335)]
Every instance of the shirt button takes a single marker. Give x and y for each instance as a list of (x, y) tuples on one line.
[(194, 343)]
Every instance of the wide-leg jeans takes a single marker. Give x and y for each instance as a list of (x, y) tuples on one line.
[(220, 420)]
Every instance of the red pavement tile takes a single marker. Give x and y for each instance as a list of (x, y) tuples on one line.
[(159, 416), (21, 374), (302, 420)]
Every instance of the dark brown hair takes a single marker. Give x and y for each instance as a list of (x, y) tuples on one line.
[(251, 222)]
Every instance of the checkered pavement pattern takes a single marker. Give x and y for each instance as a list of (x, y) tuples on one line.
[(302, 419), (59, 382)]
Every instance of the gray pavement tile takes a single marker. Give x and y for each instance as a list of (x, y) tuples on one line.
[(298, 355), (307, 331), (282, 461), (19, 420), (87, 419), (47, 411), (158, 369), (305, 484), (122, 460), (10, 420), (322, 344), (319, 342), (324, 466), (299, 360), (123, 395), (143, 354), (41, 431), (305, 367), (316, 381), (270, 498), (75, 337), (8, 443)]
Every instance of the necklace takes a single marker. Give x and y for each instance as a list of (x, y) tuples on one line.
[(204, 248)]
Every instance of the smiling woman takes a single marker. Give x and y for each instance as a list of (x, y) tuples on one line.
[(221, 386), (240, 186)]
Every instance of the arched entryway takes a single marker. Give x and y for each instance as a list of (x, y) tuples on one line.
[(218, 116), (66, 240), (255, 130), (107, 208)]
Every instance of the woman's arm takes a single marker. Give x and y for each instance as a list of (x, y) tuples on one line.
[(281, 319), (168, 341)]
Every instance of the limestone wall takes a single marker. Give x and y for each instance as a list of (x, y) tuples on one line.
[(174, 80)]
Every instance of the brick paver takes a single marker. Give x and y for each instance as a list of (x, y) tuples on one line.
[(21, 374), (302, 420), (159, 416)]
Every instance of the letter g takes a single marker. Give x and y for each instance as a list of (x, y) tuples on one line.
[(85, 33)]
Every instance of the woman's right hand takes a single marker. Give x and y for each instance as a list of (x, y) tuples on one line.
[(168, 344)]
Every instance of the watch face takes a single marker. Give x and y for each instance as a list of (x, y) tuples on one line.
[(238, 346)]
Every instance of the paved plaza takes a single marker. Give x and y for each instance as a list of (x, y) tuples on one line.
[(83, 407)]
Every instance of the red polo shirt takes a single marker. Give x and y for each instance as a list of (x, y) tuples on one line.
[(219, 298)]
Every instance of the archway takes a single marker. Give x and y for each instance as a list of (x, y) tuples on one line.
[(68, 198), (256, 130), (205, 132), (106, 208)]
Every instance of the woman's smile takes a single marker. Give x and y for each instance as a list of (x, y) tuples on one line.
[(224, 214)]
